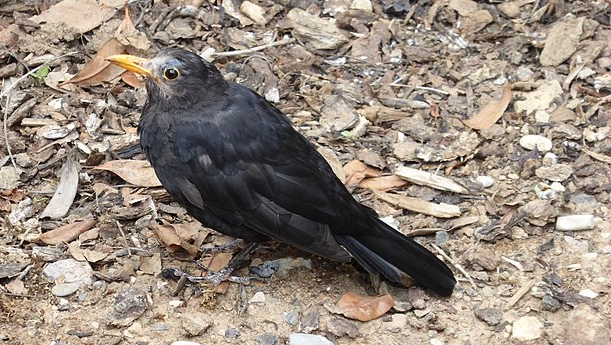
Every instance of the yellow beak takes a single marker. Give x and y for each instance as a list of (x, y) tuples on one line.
[(132, 63)]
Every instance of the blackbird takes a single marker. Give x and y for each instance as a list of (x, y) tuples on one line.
[(237, 165)]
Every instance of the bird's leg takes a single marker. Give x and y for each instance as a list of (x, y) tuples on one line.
[(215, 278), (226, 248)]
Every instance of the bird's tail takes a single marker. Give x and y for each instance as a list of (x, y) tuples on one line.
[(384, 250)]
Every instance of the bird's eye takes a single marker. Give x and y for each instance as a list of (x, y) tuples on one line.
[(171, 73)]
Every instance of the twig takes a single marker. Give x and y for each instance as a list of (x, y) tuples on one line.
[(457, 266), (5, 127), (255, 49), (519, 294), (129, 251)]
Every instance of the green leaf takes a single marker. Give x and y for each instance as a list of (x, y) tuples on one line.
[(42, 73)]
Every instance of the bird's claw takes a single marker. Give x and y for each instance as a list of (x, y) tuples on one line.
[(214, 278)]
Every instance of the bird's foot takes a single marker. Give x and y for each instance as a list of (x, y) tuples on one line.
[(227, 248), (212, 277)]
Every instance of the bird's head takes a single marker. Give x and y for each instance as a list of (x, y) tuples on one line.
[(175, 75)]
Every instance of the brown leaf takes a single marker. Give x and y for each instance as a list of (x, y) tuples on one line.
[(491, 112), (67, 232), (216, 263), (363, 308), (128, 35), (93, 255), (382, 183), (14, 195), (131, 79), (356, 171), (98, 70), (179, 246), (137, 172)]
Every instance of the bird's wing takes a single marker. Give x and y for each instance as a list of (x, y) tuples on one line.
[(249, 166)]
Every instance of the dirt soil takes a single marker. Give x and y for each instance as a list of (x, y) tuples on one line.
[(505, 104)]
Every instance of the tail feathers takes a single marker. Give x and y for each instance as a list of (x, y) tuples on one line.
[(384, 250), (369, 260)]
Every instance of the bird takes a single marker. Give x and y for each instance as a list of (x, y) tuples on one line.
[(236, 164)]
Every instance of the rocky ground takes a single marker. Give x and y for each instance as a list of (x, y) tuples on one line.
[(479, 128)]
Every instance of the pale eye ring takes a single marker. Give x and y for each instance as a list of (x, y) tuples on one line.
[(171, 73)]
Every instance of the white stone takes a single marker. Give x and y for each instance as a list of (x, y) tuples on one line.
[(308, 339), (575, 222), (364, 5), (258, 297), (588, 293), (485, 181), (542, 116), (530, 141), (527, 328)]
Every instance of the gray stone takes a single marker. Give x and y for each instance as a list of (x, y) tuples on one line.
[(71, 270), (491, 316), (266, 338), (549, 303), (291, 317), (65, 289), (341, 327)]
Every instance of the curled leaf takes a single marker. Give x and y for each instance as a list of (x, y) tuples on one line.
[(491, 112)]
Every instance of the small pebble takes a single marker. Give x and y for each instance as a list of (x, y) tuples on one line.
[(485, 181), (436, 341), (588, 293), (266, 338), (575, 223), (232, 333), (182, 342), (549, 303), (291, 317), (441, 237), (308, 339), (66, 289), (491, 316), (258, 297), (529, 142)]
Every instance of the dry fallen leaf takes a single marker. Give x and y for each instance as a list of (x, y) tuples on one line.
[(356, 171), (67, 232), (64, 195), (491, 112), (362, 308), (176, 244), (383, 183), (137, 172), (98, 70), (216, 263)]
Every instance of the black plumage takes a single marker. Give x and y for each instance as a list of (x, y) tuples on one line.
[(237, 165)]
